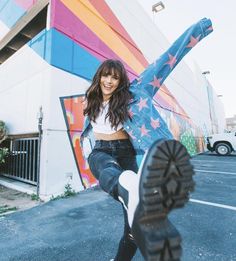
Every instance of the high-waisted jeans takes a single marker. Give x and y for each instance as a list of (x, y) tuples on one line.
[(107, 161)]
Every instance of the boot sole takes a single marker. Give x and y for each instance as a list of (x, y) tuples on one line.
[(165, 184)]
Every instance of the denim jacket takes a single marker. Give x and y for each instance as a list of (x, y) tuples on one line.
[(145, 124)]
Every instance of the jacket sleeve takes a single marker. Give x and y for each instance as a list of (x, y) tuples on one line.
[(156, 73)]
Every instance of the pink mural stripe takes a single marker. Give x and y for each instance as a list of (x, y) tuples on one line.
[(105, 11), (80, 33), (26, 4)]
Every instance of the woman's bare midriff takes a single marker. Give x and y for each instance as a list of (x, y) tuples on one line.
[(119, 135)]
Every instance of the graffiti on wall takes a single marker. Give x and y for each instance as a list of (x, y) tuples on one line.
[(72, 107), (178, 121)]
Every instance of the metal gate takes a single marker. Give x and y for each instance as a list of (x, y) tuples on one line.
[(22, 162)]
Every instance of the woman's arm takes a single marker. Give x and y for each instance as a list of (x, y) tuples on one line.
[(153, 77)]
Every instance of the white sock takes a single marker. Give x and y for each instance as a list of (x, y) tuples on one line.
[(130, 181)]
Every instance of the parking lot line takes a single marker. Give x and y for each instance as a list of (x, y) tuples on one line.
[(215, 172), (212, 161), (212, 204)]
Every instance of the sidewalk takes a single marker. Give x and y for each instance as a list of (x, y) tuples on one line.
[(12, 200)]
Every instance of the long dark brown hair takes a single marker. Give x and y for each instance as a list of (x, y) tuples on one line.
[(118, 103)]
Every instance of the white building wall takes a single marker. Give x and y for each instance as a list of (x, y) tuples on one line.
[(59, 166), (144, 32), (28, 83), (220, 113), (24, 77)]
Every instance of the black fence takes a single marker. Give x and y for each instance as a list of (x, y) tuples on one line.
[(22, 161)]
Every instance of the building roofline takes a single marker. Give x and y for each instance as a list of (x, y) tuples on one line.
[(23, 21)]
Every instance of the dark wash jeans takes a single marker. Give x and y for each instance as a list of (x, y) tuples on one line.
[(107, 161)]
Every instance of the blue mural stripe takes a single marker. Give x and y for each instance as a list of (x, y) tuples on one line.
[(38, 43), (60, 51), (10, 12), (2, 4)]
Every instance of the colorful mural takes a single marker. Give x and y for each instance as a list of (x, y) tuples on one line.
[(94, 26), (73, 113), (180, 124)]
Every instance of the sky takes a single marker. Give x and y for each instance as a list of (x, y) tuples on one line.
[(216, 53)]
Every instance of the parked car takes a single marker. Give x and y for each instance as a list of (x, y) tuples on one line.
[(222, 143)]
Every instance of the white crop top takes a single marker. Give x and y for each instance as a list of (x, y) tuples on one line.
[(103, 125)]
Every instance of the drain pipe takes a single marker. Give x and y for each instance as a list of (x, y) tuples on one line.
[(40, 129)]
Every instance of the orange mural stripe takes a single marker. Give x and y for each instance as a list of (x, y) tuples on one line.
[(85, 172), (85, 12)]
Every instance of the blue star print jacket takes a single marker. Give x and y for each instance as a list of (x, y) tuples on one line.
[(146, 124)]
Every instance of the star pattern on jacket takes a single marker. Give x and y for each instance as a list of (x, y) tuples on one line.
[(156, 82), (142, 104), (193, 41), (155, 123), (172, 60), (144, 131)]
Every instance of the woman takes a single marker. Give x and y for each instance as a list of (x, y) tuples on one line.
[(108, 96), (125, 122)]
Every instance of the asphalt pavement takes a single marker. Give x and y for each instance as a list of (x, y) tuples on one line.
[(88, 226)]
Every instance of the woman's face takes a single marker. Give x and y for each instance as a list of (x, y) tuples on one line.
[(108, 84)]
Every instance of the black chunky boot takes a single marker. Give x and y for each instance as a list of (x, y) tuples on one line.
[(164, 182)]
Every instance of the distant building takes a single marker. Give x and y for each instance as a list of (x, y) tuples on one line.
[(231, 123)]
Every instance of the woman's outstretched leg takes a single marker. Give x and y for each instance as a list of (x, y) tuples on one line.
[(163, 183)]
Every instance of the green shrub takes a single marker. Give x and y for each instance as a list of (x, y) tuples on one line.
[(68, 192), (3, 154), (3, 136)]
